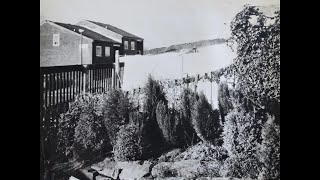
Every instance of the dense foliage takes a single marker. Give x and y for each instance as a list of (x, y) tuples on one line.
[(187, 100), (206, 121), (224, 100), (90, 138), (128, 144), (270, 150), (242, 137), (85, 107), (117, 108), (257, 66), (169, 123), (152, 137), (251, 140)]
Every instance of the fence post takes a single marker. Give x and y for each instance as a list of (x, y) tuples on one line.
[(117, 70), (113, 76)]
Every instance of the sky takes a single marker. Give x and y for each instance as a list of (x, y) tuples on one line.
[(159, 22)]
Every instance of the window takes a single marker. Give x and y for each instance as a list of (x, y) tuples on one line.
[(133, 46), (107, 51), (126, 45), (56, 40), (98, 51)]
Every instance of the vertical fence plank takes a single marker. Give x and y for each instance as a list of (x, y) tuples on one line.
[(81, 81), (95, 80), (64, 87), (78, 82), (92, 80), (103, 80), (41, 91), (53, 87), (67, 87), (46, 90), (49, 88), (108, 80), (99, 81), (57, 88), (73, 84), (61, 87), (89, 80), (79, 87)]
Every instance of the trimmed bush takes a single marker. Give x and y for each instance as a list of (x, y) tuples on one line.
[(206, 121), (116, 112), (128, 145)]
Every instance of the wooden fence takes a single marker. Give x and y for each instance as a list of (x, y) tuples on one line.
[(59, 86)]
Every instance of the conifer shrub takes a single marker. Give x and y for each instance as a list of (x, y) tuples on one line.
[(90, 139), (242, 138), (224, 100), (128, 144), (117, 108), (81, 128), (270, 150), (151, 133), (170, 124), (187, 100), (206, 121)]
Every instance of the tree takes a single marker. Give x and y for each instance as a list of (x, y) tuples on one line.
[(257, 93), (257, 66)]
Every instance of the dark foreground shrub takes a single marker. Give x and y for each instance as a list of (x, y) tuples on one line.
[(128, 144), (169, 122), (91, 138), (116, 112), (85, 107), (224, 100), (186, 104), (206, 121), (152, 137)]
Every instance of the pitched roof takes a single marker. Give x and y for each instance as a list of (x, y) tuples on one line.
[(116, 30), (88, 33)]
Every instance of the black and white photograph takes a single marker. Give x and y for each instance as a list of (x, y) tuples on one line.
[(159, 89)]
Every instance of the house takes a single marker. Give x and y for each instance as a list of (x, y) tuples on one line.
[(60, 45), (130, 44)]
